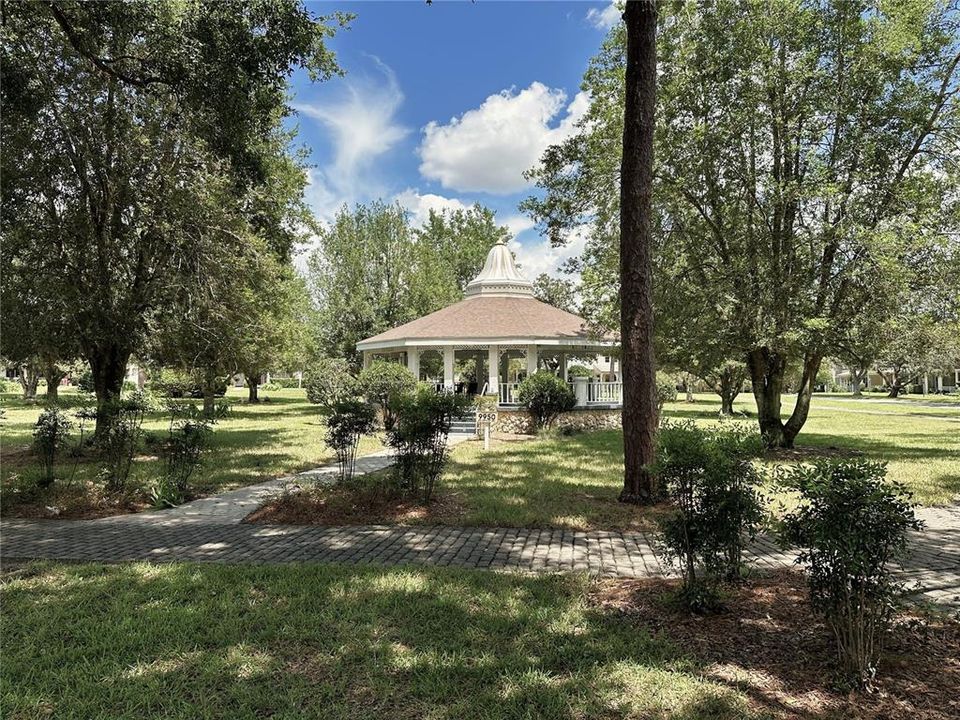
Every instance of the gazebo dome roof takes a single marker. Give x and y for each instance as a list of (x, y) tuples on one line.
[(498, 307), (499, 276)]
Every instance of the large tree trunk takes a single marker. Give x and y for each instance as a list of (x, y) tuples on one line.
[(811, 366), (767, 368), (857, 376), (730, 383), (636, 276), (209, 389), (766, 376), (108, 366), (28, 375), (53, 375), (253, 385)]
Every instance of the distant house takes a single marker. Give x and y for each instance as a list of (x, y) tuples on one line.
[(946, 380)]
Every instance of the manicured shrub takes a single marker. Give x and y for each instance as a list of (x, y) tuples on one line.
[(384, 381), (49, 435), (708, 475), (851, 525), (348, 422), (545, 396), (666, 389), (329, 381), (188, 438), (419, 437), (119, 441)]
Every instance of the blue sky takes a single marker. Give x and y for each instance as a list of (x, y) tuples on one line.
[(445, 105)]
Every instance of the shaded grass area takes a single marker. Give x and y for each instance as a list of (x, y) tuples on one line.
[(189, 641), (255, 442), (306, 641)]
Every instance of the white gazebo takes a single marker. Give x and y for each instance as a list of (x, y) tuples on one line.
[(498, 334)]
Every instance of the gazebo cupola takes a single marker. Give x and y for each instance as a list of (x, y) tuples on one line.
[(499, 276), (498, 333)]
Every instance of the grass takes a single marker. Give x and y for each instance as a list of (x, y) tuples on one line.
[(573, 481), (253, 443), (193, 641)]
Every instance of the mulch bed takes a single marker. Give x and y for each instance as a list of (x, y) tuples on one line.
[(770, 646), (77, 501), (364, 505)]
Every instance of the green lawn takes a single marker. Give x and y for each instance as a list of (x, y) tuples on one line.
[(573, 481), (194, 641), (281, 435)]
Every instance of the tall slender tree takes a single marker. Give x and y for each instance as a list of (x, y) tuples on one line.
[(636, 253)]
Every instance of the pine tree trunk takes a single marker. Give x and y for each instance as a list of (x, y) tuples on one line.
[(636, 277)]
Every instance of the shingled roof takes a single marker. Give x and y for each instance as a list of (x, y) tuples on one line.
[(499, 306), (487, 318)]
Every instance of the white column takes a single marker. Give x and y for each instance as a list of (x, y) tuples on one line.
[(532, 357), (926, 383), (367, 359), (939, 381), (493, 370), (448, 357), (413, 362), (580, 390), (563, 366)]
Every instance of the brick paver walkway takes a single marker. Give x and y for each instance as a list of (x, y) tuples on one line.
[(209, 530)]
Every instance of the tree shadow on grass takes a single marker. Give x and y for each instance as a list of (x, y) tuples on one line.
[(324, 641)]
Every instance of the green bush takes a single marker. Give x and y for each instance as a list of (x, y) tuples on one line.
[(666, 389), (419, 437), (49, 434), (851, 525), (9, 386), (545, 396), (382, 382), (166, 382), (329, 381), (119, 441), (187, 439), (83, 380), (708, 475), (579, 371), (349, 421), (285, 383)]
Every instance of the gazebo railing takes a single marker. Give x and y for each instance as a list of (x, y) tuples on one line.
[(605, 393), (508, 393)]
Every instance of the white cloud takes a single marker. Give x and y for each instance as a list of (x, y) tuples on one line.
[(362, 127), (487, 149), (606, 18), (421, 205), (517, 224), (541, 257)]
